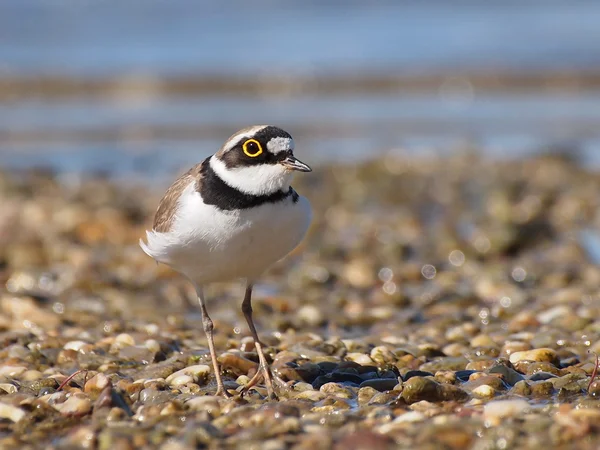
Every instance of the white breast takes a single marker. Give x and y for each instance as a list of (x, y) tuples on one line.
[(208, 244)]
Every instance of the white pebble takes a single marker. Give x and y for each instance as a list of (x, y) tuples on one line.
[(12, 371), (209, 403), (125, 339), (310, 315), (196, 373), (495, 411), (360, 358), (180, 380), (76, 404), (153, 345), (74, 345), (484, 391), (549, 315), (96, 383), (410, 417), (8, 388), (11, 412)]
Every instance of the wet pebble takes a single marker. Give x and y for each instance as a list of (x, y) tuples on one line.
[(496, 411), (538, 354)]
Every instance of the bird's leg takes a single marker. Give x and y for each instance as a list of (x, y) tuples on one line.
[(263, 366), (207, 324)]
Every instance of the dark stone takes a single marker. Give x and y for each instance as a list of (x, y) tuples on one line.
[(327, 366), (347, 379), (463, 375), (381, 384), (416, 373), (541, 376), (510, 376)]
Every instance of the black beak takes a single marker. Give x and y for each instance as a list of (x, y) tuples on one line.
[(291, 163)]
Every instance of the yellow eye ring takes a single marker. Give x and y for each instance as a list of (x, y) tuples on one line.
[(247, 151)]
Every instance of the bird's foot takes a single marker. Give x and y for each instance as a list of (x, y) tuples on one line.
[(222, 392), (264, 374)]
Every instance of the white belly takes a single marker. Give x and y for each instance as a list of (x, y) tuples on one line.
[(207, 244)]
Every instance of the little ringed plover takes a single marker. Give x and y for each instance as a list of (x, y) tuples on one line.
[(231, 217)]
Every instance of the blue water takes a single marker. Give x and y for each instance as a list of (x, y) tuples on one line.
[(147, 38), (265, 36)]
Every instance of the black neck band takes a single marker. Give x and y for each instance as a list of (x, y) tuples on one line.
[(216, 192)]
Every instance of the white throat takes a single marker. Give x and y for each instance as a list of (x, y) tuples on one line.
[(263, 179)]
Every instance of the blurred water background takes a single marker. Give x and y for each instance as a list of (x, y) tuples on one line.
[(145, 88)]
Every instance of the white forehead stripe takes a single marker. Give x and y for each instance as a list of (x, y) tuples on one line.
[(280, 144)]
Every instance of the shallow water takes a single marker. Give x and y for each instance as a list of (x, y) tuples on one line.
[(150, 133), (164, 135)]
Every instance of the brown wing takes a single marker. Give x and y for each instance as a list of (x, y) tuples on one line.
[(165, 214)]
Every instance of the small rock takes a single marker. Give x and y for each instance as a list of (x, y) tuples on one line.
[(542, 376), (237, 364), (416, 373), (8, 388), (125, 339), (555, 312), (511, 347), (410, 417), (360, 358), (77, 404), (336, 390), (542, 389), (484, 391), (10, 412), (208, 403), (482, 340), (11, 371), (310, 315), (538, 355), (74, 345), (509, 375), (180, 380), (463, 375), (383, 355), (96, 383), (381, 384), (196, 374), (446, 363), (495, 411), (417, 388), (522, 388), (365, 394), (312, 396)]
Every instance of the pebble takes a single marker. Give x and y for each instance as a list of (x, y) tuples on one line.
[(12, 413), (410, 417), (12, 371), (360, 358), (336, 390), (381, 384), (209, 403), (538, 354), (75, 345), (97, 383), (312, 396), (77, 404), (497, 410), (197, 374), (9, 388), (484, 391)]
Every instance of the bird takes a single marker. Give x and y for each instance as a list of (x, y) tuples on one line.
[(230, 217)]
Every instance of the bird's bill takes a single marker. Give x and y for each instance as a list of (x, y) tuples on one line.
[(292, 163)]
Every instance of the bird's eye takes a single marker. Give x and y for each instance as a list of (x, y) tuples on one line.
[(252, 148)]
